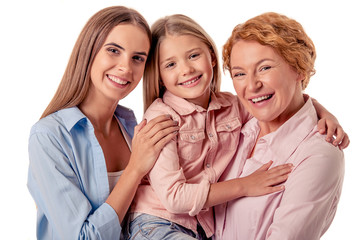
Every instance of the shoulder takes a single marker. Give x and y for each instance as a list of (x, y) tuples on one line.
[(317, 153), (227, 96), (158, 108)]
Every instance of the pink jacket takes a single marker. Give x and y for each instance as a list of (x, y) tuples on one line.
[(178, 184)]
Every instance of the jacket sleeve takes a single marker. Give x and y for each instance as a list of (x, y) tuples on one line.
[(168, 180)]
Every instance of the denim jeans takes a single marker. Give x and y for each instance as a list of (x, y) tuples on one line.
[(147, 226)]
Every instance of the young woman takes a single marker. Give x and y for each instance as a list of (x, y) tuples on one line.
[(83, 170)]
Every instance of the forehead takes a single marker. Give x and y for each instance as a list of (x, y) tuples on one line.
[(182, 43), (247, 51), (130, 35)]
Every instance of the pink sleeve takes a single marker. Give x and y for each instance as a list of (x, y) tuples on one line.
[(311, 196), (167, 177), (170, 184)]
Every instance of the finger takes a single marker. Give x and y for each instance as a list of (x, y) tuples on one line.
[(282, 169), (345, 142), (265, 166), (277, 179), (157, 120), (164, 140), (140, 126), (321, 126), (330, 134), (155, 127), (276, 189), (340, 136), (158, 136)]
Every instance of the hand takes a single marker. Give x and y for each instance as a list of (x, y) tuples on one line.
[(148, 141), (264, 181), (335, 133)]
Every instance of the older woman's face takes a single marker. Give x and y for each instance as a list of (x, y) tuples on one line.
[(266, 85)]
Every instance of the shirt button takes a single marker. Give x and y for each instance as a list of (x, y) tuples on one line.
[(208, 165), (193, 137), (228, 126), (210, 135)]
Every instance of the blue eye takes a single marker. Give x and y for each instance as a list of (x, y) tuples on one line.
[(239, 74)]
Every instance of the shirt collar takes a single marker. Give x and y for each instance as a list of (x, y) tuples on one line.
[(73, 115), (287, 138), (184, 107)]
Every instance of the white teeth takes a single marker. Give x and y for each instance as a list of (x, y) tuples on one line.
[(117, 80), (255, 100), (190, 82)]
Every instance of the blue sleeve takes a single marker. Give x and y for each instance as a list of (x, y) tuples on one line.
[(64, 212)]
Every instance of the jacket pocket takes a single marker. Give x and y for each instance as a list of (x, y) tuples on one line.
[(190, 144), (228, 133)]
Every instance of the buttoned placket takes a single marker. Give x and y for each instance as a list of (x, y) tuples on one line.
[(212, 136)]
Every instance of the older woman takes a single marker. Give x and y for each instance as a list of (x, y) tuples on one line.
[(271, 60)]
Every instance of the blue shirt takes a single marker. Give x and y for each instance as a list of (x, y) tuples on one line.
[(68, 177)]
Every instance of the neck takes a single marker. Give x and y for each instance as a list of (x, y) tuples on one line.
[(296, 104), (100, 113)]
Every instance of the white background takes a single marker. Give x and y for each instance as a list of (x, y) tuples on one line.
[(37, 38)]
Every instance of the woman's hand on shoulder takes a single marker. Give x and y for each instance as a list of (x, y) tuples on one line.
[(148, 141)]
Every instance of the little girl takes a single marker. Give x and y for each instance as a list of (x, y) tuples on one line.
[(182, 79), (183, 72)]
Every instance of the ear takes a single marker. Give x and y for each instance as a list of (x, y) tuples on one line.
[(214, 61), (300, 77)]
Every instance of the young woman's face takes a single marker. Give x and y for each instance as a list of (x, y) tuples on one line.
[(186, 68), (118, 66), (266, 85)]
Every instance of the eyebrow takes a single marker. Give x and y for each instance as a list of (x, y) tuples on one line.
[(187, 52), (258, 63), (122, 48)]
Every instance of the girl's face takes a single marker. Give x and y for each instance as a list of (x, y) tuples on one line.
[(118, 66), (186, 68), (267, 86)]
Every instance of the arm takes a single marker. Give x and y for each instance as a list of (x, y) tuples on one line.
[(329, 123), (64, 209), (147, 143), (261, 182), (309, 202), (61, 197)]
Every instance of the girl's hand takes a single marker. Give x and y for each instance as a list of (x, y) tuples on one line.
[(148, 141), (335, 133), (264, 181)]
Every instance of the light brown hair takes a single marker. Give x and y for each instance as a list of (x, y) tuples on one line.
[(75, 82), (174, 25), (286, 36)]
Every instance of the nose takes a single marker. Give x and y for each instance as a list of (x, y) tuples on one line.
[(254, 83), (124, 64), (186, 68)]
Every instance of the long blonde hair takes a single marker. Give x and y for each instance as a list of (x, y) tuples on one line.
[(75, 82), (175, 25), (283, 34)]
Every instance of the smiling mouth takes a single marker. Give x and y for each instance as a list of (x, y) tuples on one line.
[(191, 81), (117, 80), (262, 98)]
